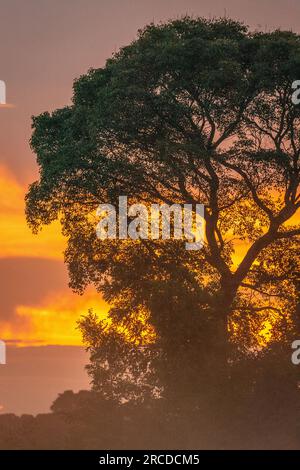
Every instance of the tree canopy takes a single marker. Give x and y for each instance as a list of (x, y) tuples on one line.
[(192, 111)]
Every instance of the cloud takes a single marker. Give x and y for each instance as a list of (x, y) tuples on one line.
[(36, 305), (16, 238), (28, 281), (53, 320), (7, 106)]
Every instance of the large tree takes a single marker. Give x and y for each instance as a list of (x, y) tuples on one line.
[(193, 111)]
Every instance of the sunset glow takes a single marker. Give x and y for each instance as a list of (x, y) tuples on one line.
[(53, 320), (16, 238)]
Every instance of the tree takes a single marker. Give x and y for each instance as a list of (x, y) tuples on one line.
[(192, 111)]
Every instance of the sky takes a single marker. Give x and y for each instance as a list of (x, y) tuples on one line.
[(44, 46)]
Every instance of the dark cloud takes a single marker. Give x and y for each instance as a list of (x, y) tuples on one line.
[(26, 281)]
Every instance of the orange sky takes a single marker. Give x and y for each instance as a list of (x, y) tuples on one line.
[(16, 238), (51, 319)]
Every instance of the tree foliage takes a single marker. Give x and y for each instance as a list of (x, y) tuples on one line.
[(192, 111)]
